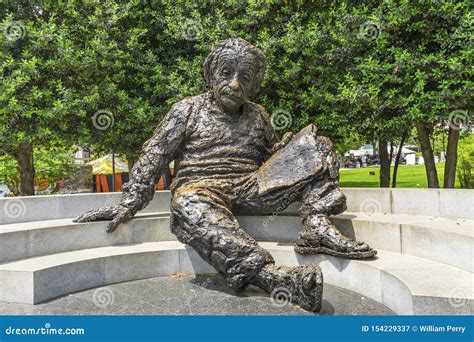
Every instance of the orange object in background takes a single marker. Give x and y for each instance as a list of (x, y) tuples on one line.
[(160, 185), (42, 183), (118, 182), (102, 185)]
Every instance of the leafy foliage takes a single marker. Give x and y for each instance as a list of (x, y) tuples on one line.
[(51, 166), (355, 69)]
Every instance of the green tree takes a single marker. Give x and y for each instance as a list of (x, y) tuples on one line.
[(73, 73), (43, 77), (409, 66), (103, 73)]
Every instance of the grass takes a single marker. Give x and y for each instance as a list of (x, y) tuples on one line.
[(408, 176)]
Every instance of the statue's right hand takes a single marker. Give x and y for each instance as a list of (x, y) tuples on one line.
[(117, 213)]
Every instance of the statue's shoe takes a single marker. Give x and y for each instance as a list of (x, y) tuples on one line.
[(320, 236), (301, 285)]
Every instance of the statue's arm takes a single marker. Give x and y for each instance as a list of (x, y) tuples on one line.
[(156, 154)]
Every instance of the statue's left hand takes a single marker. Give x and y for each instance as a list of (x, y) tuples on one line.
[(283, 142), (117, 213)]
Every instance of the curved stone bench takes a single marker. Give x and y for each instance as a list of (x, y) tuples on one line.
[(445, 240), (424, 265), (31, 239), (450, 203), (402, 283)]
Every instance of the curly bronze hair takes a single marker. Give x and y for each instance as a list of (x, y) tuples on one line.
[(234, 46)]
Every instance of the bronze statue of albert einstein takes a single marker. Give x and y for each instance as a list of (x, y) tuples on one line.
[(230, 162)]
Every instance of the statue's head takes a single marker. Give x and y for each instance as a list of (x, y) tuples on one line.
[(235, 70)]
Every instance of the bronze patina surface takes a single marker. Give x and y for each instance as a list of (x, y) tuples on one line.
[(230, 161)]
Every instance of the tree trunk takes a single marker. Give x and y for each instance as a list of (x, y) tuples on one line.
[(390, 156), (26, 168), (384, 164), (451, 158), (424, 139), (397, 158)]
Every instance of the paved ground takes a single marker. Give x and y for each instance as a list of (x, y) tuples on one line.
[(182, 294)]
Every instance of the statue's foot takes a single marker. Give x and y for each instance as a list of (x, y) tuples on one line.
[(301, 285), (321, 236)]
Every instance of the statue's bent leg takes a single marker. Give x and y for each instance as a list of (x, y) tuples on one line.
[(203, 221), (307, 170), (321, 198)]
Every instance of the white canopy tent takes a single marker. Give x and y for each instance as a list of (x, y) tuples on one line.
[(363, 151)]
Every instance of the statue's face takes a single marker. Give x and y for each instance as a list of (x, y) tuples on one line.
[(234, 81)]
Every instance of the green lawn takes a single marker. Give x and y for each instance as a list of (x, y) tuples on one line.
[(411, 176)]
